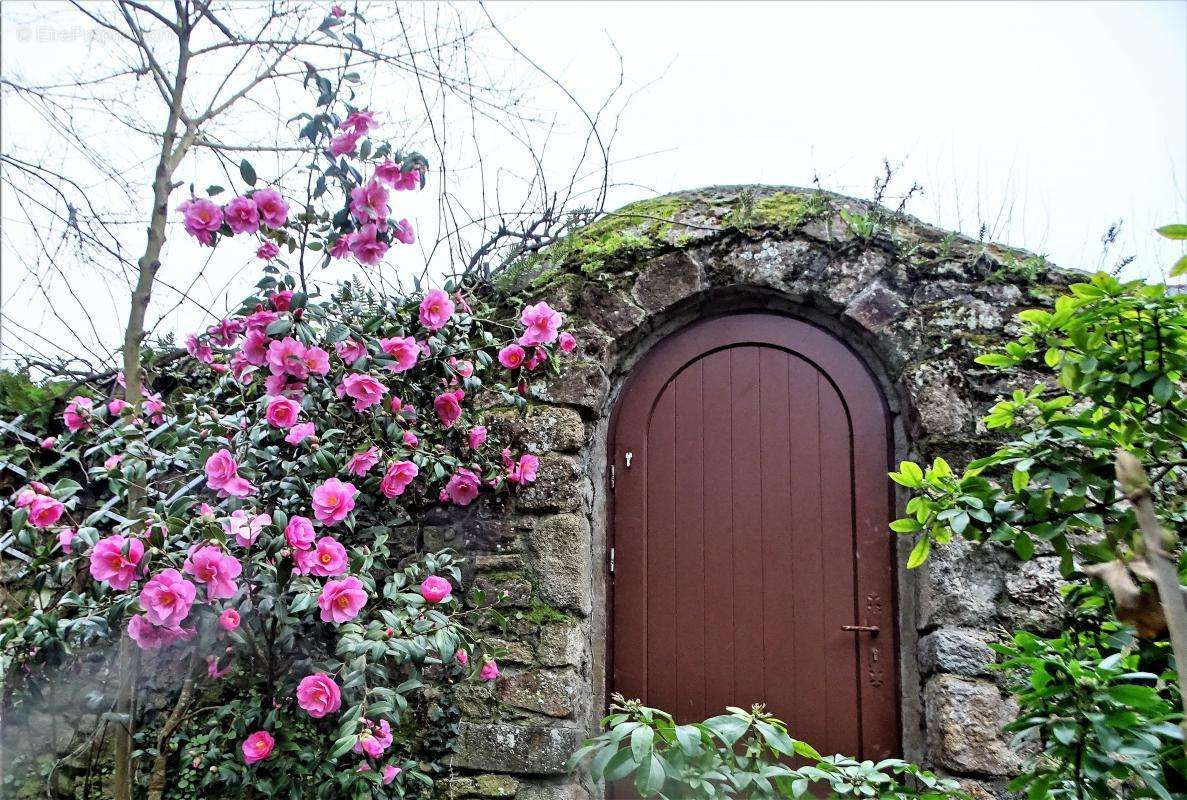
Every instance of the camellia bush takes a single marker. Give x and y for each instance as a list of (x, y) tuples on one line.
[(304, 649)]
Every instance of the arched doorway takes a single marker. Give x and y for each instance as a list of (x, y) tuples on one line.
[(751, 556)]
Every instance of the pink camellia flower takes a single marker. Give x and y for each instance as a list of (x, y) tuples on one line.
[(462, 657), (255, 347), (66, 540), (476, 437), (282, 300), (368, 203), (333, 500), (448, 406), (111, 462), (215, 569), (299, 533), (340, 248), (350, 350), (511, 356), (374, 738), (222, 473), (344, 143), (525, 470), (110, 565), (489, 671), (338, 11), (539, 356), (541, 324), (366, 245), (45, 511), (287, 357), (274, 211), (245, 527), (150, 637), (282, 412), (242, 216), (397, 478), (435, 589), (115, 405), (410, 439), (389, 773), (566, 342), (403, 232), (258, 746), (260, 319), (77, 415), (154, 406), (362, 461), (229, 620), (435, 309), (463, 368), (318, 695), (225, 332), (404, 349), (26, 497), (317, 360), (48, 442), (341, 601), (361, 122), (202, 219), (299, 433), (462, 488), (364, 389), (284, 386), (167, 598), (303, 561), (329, 558), (212, 670), (267, 251)]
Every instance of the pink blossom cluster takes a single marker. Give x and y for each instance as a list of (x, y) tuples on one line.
[(43, 509), (204, 219)]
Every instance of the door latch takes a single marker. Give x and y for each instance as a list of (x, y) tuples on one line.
[(872, 630), (629, 455)]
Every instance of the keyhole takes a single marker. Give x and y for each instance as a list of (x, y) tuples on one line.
[(629, 456)]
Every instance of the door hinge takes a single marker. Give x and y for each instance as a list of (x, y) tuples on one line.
[(611, 560), (612, 476)]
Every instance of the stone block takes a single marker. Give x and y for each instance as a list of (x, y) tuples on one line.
[(1032, 595), (960, 586), (561, 645), (542, 429), (560, 551), (511, 652), (938, 400), (548, 693), (875, 307), (553, 791), (521, 749), (483, 786), (582, 385), (964, 719), (612, 310), (557, 486), (665, 281), (955, 650)]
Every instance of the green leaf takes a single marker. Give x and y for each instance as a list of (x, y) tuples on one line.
[(1180, 268), (778, 740), (689, 737), (619, 766), (1024, 547), (1019, 479), (650, 778), (908, 525), (1173, 231), (247, 172), (727, 727), (919, 552), (641, 741), (909, 475), (1163, 389), (995, 360)]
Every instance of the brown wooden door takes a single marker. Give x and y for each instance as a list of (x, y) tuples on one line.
[(751, 525)]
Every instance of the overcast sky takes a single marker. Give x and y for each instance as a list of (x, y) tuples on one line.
[(1044, 122)]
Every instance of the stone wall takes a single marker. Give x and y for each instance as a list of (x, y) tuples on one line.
[(918, 304)]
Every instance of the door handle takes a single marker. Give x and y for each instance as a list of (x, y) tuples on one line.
[(872, 630)]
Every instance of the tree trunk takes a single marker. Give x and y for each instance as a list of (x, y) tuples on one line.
[(1164, 567)]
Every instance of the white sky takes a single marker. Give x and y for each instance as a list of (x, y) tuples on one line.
[(1046, 122)]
